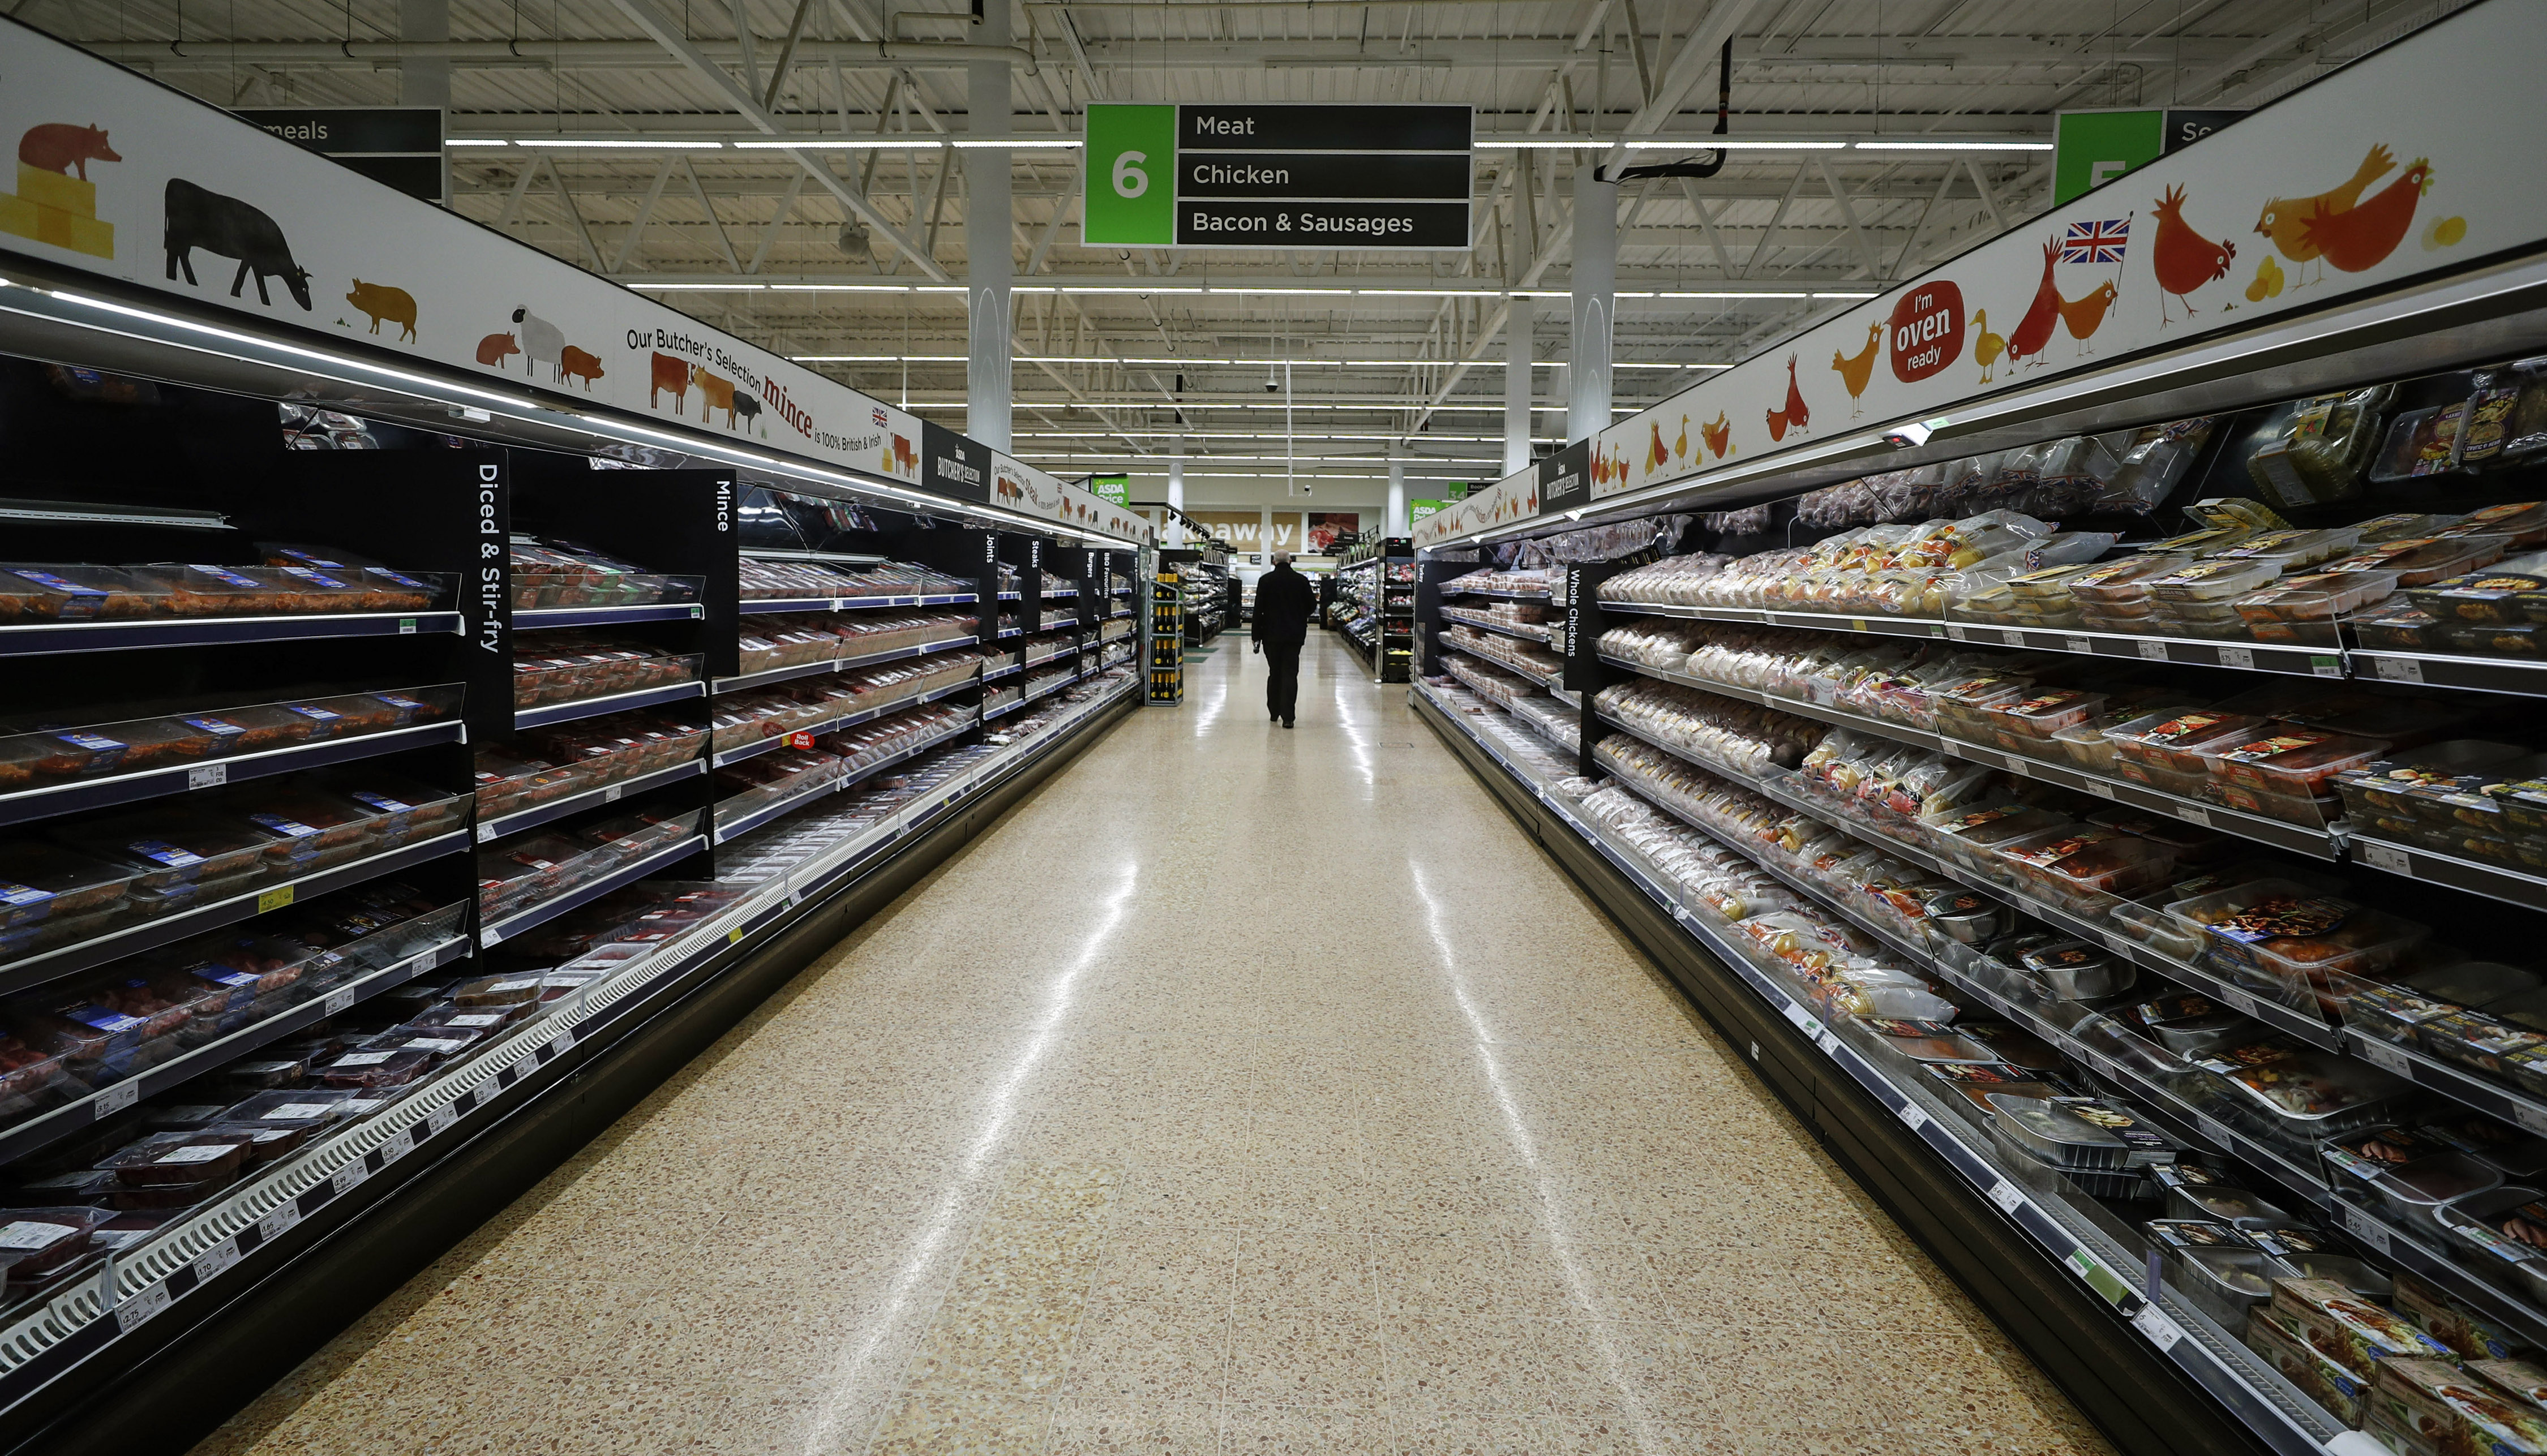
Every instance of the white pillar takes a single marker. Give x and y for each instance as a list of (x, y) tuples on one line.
[(1176, 493), (1397, 522), (1517, 328), (1596, 283), (427, 82), (988, 223)]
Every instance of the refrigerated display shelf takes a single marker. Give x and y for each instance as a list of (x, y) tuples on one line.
[(2326, 843), (845, 720), (752, 681), (555, 713), (2409, 1250), (1067, 591), (744, 824), (28, 804), (1042, 692), (1007, 670), (1542, 633), (558, 809), (1009, 632), (150, 934), (535, 619), (101, 637), (504, 927), (2493, 882), (60, 1122), (2285, 1420), (1509, 596), (2521, 677), (756, 606)]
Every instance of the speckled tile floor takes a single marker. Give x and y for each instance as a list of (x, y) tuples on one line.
[(1246, 1091)]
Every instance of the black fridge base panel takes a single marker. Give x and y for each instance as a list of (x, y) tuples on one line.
[(173, 1381), (2145, 1407)]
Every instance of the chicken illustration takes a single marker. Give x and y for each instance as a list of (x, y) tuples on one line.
[(2042, 317), (1718, 437), (2184, 259), (2268, 281), (1793, 415), (1680, 446), (1986, 346), (2084, 315), (1655, 456), (2362, 238), (2285, 218), (1854, 373)]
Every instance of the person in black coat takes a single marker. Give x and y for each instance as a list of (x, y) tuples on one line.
[(1283, 602)]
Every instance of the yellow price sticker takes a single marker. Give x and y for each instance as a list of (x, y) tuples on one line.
[(274, 900), (733, 936)]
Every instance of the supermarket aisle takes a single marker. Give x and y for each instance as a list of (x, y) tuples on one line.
[(1247, 1090)]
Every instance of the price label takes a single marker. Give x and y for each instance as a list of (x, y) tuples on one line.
[(282, 1221), (2532, 1119), (398, 1146), (2153, 651), (142, 1309), (2006, 1195), (2379, 1054), (698, 613), (339, 1000), (2213, 1132), (1857, 623), (2018, 766), (275, 899), (2100, 788), (2360, 1225), (489, 936), (2397, 669), (216, 1259), (1796, 1014), (406, 626), (1936, 631), (438, 1120), (2162, 1330), (2385, 857), (2237, 1001), (117, 1097), (2193, 813), (2118, 941), (563, 1040), (1829, 1043), (1913, 1116), (2076, 644), (350, 1176), (1957, 632), (208, 775)]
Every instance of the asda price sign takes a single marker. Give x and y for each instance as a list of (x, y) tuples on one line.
[(1256, 176)]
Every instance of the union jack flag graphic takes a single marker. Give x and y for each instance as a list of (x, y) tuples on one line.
[(2096, 243)]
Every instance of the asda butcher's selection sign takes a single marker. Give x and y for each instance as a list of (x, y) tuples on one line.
[(122, 177), (1277, 176), (2392, 170)]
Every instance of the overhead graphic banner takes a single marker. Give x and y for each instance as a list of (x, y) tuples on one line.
[(2395, 168), (119, 176), (1275, 176), (1327, 528)]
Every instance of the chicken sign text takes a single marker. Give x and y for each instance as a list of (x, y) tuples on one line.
[(1926, 330)]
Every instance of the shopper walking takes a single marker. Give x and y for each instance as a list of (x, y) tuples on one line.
[(1283, 599)]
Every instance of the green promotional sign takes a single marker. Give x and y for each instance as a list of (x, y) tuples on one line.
[(1457, 491), (1131, 178), (1417, 510), (1116, 488), (2092, 149)]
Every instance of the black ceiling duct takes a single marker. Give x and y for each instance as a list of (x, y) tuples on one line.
[(1723, 118)]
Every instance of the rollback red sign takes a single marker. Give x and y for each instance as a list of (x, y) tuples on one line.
[(1926, 330)]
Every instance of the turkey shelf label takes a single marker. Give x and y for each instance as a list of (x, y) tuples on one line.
[(122, 177), (2397, 167)]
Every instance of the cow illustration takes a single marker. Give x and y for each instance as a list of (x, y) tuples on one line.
[(56, 148), (714, 394), (382, 301), (669, 374), (495, 349), (543, 342), (229, 228), (574, 363), (748, 408)]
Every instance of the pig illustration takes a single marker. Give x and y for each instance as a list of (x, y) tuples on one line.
[(56, 148), (574, 363), (495, 349), (382, 301)]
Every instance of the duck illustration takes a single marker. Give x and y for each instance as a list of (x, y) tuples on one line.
[(1855, 371), (1986, 346), (1680, 446), (1718, 437)]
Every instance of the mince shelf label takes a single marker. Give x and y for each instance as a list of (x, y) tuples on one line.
[(1273, 176)]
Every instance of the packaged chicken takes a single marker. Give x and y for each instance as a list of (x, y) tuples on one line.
[(30, 593)]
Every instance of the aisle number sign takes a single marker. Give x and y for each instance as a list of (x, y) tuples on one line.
[(1279, 176), (2093, 147)]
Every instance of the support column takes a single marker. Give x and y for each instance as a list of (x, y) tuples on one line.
[(1396, 522), (1517, 328), (424, 82), (988, 226), (1176, 493), (1596, 283)]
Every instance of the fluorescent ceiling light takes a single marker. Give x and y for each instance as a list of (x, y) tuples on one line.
[(1183, 362), (852, 288), (1844, 296), (477, 141), (699, 287), (1014, 143), (1953, 147), (616, 143), (1695, 294), (1713, 143)]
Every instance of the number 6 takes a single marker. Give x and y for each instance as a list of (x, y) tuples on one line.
[(1130, 180)]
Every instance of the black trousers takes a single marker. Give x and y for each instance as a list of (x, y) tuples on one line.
[(1282, 678)]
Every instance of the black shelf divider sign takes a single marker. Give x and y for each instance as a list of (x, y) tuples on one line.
[(1565, 478)]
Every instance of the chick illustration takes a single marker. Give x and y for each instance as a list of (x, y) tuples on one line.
[(2268, 281), (1680, 446), (1987, 347)]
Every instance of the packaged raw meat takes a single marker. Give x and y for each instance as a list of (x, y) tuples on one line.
[(177, 1158), (34, 1241), (62, 593), (380, 1067)]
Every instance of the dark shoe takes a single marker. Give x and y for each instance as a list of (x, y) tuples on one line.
[(1286, 723), (1273, 717)]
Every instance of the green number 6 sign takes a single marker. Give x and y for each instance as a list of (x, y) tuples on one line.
[(1131, 183)]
